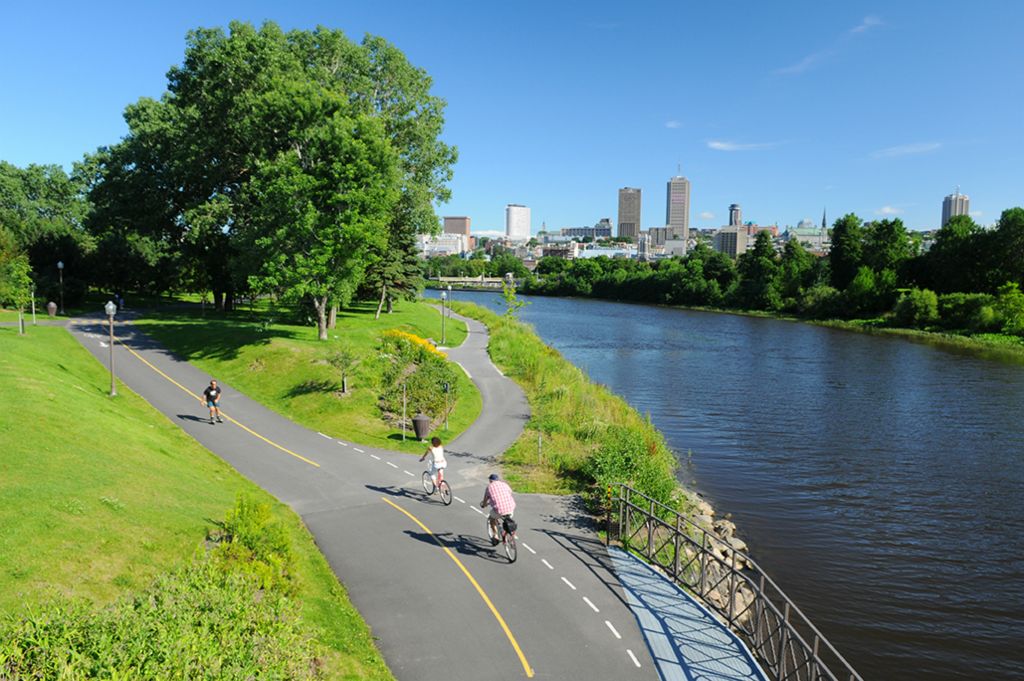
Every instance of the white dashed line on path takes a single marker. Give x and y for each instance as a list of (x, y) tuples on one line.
[(461, 501), (633, 657), (392, 465), (591, 604), (322, 435), (527, 547), (617, 634), (341, 443), (362, 452), (409, 474), (545, 561), (569, 584), (373, 455), (477, 510)]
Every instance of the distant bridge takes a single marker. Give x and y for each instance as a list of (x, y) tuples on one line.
[(470, 282)]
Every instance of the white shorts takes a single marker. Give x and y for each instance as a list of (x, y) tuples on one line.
[(435, 467)]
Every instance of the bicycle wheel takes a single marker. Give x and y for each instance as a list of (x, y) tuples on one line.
[(446, 492), (428, 483), (510, 547), (492, 533)]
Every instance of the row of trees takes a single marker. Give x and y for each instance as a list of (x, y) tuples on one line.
[(868, 269), (298, 164)]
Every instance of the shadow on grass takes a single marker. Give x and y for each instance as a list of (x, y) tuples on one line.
[(313, 386), (210, 339)]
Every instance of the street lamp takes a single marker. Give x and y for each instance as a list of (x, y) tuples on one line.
[(60, 270), (449, 300), (444, 298), (110, 309)]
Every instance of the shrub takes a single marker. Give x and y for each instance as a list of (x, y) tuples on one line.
[(821, 302), (917, 308), (423, 369), (252, 541), (1010, 307), (968, 312), (643, 462)]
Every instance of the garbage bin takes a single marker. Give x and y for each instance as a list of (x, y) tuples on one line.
[(51, 309), (421, 426)]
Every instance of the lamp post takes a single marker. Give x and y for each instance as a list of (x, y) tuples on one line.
[(110, 309), (449, 301), (444, 299), (60, 271)]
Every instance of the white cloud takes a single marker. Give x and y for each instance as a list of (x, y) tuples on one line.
[(906, 150), (804, 64), (867, 24), (723, 145), (888, 210), (672, 124), (707, 215)]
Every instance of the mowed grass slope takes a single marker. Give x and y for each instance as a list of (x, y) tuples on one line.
[(285, 366), (99, 495)]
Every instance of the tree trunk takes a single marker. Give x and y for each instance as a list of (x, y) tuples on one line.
[(218, 300), (391, 306), (229, 300), (321, 317), (332, 320), (380, 305)]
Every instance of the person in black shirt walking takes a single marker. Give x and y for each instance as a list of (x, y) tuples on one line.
[(212, 395)]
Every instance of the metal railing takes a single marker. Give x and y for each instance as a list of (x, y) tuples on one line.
[(784, 642)]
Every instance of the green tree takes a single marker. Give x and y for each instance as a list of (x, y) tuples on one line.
[(917, 308), (15, 278), (395, 270), (759, 276), (314, 213), (796, 269), (886, 245), (846, 254), (955, 261), (1007, 248)]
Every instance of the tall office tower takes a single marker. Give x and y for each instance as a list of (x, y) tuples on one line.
[(629, 212), (677, 208), (953, 205), (735, 215), (456, 225), (517, 222)]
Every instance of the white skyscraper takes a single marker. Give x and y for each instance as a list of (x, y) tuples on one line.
[(955, 204), (677, 208), (517, 222)]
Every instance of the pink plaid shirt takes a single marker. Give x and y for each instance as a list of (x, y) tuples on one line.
[(500, 496)]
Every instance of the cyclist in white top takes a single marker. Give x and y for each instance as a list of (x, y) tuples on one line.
[(437, 461)]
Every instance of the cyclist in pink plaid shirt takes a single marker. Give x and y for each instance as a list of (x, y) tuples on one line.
[(499, 495)]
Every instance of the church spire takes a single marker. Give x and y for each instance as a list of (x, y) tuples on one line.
[(824, 222)]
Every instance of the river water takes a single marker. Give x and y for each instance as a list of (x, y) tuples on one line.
[(880, 482)]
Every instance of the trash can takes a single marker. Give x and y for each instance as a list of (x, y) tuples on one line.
[(421, 426), (51, 309)]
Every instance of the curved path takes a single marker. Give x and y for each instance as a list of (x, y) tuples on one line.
[(442, 603)]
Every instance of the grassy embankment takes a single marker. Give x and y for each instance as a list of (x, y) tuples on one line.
[(588, 434), (99, 496), (284, 366)]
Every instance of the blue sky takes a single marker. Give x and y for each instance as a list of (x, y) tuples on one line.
[(786, 108)]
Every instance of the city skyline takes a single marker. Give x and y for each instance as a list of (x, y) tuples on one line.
[(845, 106)]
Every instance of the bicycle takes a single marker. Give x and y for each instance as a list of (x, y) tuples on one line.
[(441, 488), (508, 537)]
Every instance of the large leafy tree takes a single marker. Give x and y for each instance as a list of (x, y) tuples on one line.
[(1006, 248), (846, 254), (246, 105), (759, 272)]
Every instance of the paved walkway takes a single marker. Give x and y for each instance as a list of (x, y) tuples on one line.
[(442, 603)]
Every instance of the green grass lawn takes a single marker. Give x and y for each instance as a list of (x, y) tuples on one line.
[(99, 495), (284, 366)]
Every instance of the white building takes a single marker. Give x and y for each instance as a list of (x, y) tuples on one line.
[(517, 222), (442, 244)]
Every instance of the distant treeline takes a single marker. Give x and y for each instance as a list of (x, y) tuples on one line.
[(969, 280)]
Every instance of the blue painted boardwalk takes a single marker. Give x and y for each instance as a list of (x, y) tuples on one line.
[(685, 641)]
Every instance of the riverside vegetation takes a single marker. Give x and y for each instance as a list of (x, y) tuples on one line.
[(104, 571)]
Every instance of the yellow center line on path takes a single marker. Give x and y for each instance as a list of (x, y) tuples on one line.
[(200, 399), (476, 585)]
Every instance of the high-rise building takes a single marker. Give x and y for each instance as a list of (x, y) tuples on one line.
[(731, 240), (629, 212), (456, 225), (735, 215), (517, 222), (677, 208), (953, 205)]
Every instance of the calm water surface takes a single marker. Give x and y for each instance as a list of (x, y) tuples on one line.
[(880, 482)]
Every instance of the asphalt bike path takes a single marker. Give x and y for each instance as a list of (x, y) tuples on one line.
[(442, 603)]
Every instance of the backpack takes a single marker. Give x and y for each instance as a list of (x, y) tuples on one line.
[(509, 524)]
